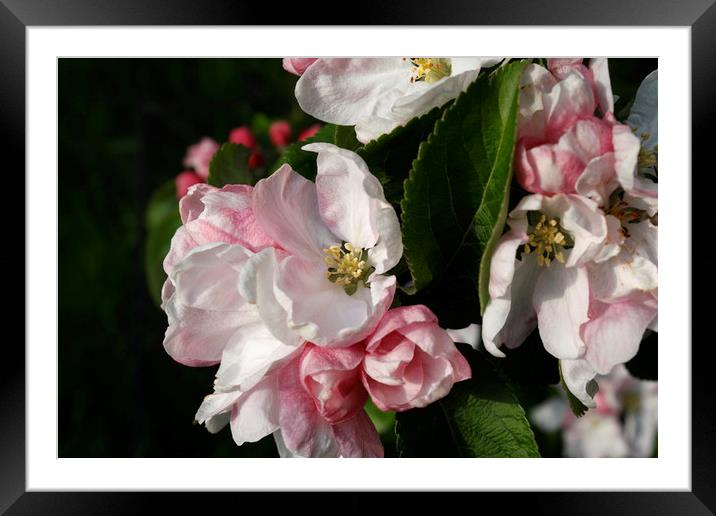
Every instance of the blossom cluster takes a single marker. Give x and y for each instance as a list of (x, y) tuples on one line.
[(290, 286), (287, 286), (579, 260)]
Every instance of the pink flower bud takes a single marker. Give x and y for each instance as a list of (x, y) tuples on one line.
[(308, 132), (297, 65), (411, 361), (198, 156), (332, 377), (185, 180), (256, 159), (243, 136), (280, 133)]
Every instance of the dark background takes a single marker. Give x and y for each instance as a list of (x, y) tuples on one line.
[(124, 126)]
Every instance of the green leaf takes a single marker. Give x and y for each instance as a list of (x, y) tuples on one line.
[(304, 162), (481, 417), (230, 165), (390, 157), (578, 408), (456, 195), (161, 220)]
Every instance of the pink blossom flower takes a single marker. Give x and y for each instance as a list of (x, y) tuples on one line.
[(243, 136), (340, 237), (185, 180), (297, 65), (411, 361), (280, 133), (538, 274), (308, 132), (198, 156), (562, 146)]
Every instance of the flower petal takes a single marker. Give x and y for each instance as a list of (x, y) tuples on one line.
[(578, 375), (358, 437), (286, 207), (256, 413), (561, 300), (626, 155), (353, 206), (343, 91), (602, 84), (321, 311), (614, 336), (303, 431)]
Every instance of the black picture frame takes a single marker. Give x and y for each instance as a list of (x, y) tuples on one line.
[(700, 15)]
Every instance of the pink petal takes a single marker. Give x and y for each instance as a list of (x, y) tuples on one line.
[(304, 432), (613, 337), (358, 437), (298, 65), (285, 205), (332, 378)]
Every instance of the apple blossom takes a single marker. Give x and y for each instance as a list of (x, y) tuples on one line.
[(198, 156), (538, 275), (410, 361), (376, 95), (243, 136), (338, 238)]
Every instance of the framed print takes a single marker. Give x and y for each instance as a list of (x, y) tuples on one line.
[(250, 240)]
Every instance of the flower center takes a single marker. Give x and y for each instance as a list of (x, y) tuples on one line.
[(547, 241), (648, 159), (429, 69), (626, 214), (347, 266)]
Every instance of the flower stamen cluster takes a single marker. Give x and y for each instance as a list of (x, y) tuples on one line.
[(547, 241), (347, 266), (429, 69)]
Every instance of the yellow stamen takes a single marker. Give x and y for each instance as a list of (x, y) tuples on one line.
[(546, 240), (429, 69), (347, 266)]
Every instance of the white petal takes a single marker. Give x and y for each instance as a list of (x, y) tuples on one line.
[(622, 276), (511, 318), (598, 179), (577, 374), (549, 416), (286, 206), (626, 155), (255, 415), (353, 206), (614, 337), (215, 404), (256, 284), (321, 311), (434, 95), (250, 356), (602, 83), (469, 335), (561, 300), (343, 91), (207, 277)]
